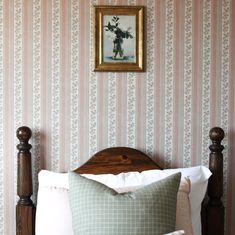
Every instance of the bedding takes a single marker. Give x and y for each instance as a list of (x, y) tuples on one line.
[(199, 177), (183, 209), (100, 210), (53, 193), (116, 160), (178, 232)]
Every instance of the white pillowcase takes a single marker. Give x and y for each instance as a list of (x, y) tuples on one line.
[(178, 232), (53, 215), (183, 208)]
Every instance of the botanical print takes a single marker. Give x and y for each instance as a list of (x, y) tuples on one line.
[(169, 73), (119, 38), (188, 45), (150, 80), (92, 103), (55, 85)]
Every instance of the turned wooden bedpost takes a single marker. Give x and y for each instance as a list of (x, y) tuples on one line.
[(215, 208), (25, 210)]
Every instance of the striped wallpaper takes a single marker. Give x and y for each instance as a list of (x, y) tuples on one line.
[(47, 83)]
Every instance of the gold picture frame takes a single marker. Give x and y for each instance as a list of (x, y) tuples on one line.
[(119, 38)]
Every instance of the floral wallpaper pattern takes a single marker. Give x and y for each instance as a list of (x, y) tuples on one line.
[(47, 83)]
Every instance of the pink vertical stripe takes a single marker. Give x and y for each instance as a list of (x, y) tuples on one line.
[(124, 109), (64, 82), (119, 2), (83, 78), (140, 2), (196, 56), (157, 80), (213, 92), (100, 106), (7, 117), (142, 102), (45, 85), (119, 84), (119, 109), (27, 61), (100, 110), (176, 160), (139, 110), (99, 103)]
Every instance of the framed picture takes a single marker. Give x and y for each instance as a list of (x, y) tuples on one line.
[(119, 38)]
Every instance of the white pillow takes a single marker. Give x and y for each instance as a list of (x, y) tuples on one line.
[(178, 232), (53, 215), (183, 209)]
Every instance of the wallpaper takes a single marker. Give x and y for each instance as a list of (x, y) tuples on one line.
[(47, 83)]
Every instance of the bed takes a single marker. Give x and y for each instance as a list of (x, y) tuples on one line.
[(121, 160)]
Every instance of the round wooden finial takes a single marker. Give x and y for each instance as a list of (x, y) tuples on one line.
[(216, 134), (24, 133)]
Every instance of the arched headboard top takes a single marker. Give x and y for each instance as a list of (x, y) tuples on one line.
[(117, 160)]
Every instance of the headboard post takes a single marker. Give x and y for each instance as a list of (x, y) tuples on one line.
[(25, 210), (215, 207)]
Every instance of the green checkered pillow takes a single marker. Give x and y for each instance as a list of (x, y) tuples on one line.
[(100, 210)]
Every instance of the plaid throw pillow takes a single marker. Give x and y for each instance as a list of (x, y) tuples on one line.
[(100, 210)]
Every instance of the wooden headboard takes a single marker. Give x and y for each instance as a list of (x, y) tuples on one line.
[(116, 160)]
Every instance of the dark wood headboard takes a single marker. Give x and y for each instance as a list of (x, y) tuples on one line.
[(116, 160)]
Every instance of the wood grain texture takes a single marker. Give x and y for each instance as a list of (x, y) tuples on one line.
[(25, 209), (116, 160), (215, 185), (25, 219)]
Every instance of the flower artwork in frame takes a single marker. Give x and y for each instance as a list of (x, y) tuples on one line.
[(119, 38)]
